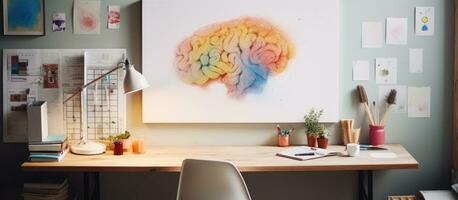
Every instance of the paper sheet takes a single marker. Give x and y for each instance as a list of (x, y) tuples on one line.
[(114, 16), (86, 17), (58, 22), (401, 98), (360, 70), (396, 31), (372, 35), (386, 70), (383, 155), (416, 60), (419, 102), (424, 21)]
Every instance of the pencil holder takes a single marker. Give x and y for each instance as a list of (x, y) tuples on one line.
[(376, 135), (283, 140)]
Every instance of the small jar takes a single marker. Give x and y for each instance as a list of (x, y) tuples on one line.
[(118, 150)]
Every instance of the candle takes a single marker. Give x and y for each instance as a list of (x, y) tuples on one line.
[(138, 146)]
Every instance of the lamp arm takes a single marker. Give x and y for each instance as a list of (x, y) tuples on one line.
[(93, 81)]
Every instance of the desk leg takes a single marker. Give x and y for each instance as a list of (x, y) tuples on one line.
[(97, 186), (362, 194), (86, 187), (91, 193)]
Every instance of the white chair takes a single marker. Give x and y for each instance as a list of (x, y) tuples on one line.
[(211, 180)]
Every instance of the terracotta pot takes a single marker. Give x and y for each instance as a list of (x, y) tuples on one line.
[(283, 141), (322, 142), (311, 140)]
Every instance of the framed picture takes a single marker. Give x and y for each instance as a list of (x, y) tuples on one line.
[(23, 17)]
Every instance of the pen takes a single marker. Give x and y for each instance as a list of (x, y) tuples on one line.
[(305, 154)]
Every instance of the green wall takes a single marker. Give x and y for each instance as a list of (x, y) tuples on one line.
[(429, 140)]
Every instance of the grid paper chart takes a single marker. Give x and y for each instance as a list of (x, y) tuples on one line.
[(102, 102)]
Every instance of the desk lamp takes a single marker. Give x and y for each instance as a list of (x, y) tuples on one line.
[(133, 82)]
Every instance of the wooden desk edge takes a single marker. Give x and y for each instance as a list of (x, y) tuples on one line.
[(242, 168)]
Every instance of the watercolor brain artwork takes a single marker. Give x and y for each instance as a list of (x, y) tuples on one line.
[(241, 54)]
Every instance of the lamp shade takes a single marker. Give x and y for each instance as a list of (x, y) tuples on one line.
[(134, 80)]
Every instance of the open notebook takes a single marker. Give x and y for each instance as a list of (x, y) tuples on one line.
[(306, 153)]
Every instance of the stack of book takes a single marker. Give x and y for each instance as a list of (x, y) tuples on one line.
[(53, 149), (46, 188)]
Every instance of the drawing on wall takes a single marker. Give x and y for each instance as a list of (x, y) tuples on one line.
[(240, 65), (23, 17), (58, 22), (386, 70), (50, 76), (424, 21), (86, 17), (419, 102), (396, 31), (114, 16)]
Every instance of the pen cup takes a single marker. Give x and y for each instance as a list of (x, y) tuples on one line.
[(376, 135), (283, 140)]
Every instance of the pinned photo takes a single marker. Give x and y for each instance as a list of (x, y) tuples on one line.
[(50, 76), (58, 22)]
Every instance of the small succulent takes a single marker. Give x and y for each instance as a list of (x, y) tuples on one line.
[(284, 132)]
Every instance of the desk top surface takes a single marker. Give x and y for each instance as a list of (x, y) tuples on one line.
[(246, 158)]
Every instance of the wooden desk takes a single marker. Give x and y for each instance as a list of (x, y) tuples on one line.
[(246, 158)]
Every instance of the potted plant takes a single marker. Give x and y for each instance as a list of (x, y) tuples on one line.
[(312, 126), (323, 139), (122, 137), (125, 139), (283, 136)]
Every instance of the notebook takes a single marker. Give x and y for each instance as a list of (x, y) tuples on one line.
[(306, 153)]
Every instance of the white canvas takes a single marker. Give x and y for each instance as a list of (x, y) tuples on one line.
[(311, 78)]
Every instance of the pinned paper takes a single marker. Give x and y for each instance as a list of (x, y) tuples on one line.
[(416, 60), (396, 31), (424, 21), (114, 16), (419, 102), (58, 22), (400, 105), (361, 70), (86, 17), (372, 35), (386, 70)]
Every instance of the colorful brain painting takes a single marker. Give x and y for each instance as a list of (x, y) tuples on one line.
[(240, 53)]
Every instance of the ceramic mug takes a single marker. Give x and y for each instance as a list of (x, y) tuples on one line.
[(353, 149)]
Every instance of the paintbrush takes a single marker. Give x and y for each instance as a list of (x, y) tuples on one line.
[(390, 100), (376, 113), (363, 100)]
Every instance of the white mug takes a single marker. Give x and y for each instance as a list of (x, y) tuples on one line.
[(353, 149)]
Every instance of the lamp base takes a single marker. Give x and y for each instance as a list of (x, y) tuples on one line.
[(88, 148)]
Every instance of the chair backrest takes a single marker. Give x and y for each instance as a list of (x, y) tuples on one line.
[(211, 180)]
